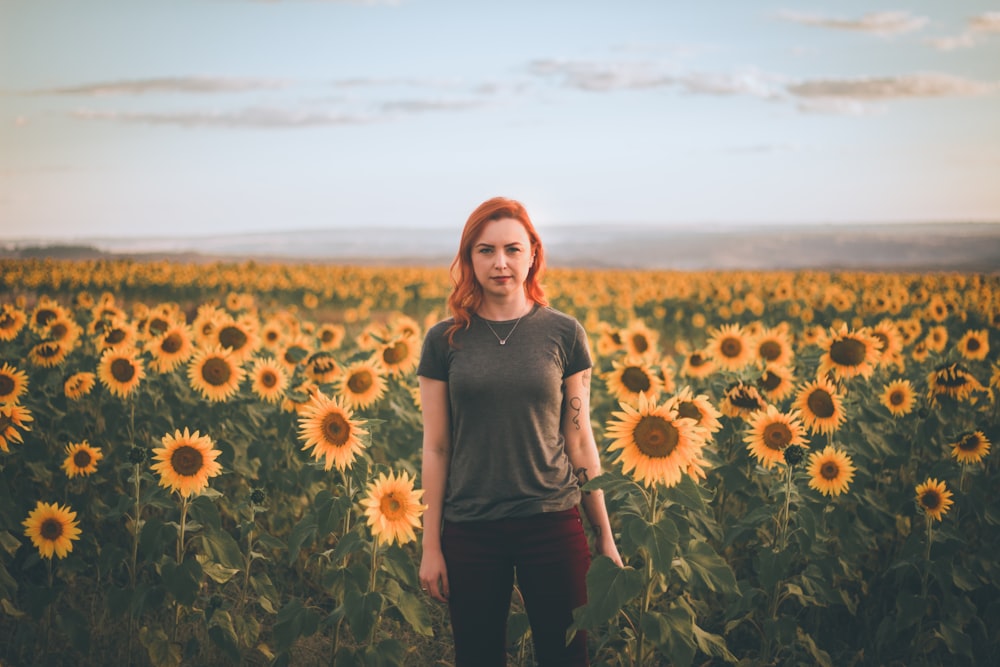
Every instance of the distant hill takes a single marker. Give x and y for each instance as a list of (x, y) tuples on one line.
[(891, 247)]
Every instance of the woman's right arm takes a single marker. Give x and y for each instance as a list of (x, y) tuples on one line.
[(434, 477)]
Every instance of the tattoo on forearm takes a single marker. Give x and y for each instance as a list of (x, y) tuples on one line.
[(582, 476), (576, 404)]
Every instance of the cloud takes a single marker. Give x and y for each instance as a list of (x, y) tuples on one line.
[(878, 23), (891, 87), (601, 76), (976, 30), (421, 106), (750, 82), (242, 118), (187, 84)]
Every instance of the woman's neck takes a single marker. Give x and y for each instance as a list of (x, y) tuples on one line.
[(504, 310)]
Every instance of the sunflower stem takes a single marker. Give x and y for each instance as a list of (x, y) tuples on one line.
[(180, 558), (371, 588), (781, 541)]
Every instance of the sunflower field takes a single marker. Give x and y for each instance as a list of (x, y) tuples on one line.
[(218, 463)]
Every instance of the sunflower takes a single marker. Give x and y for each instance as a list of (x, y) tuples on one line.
[(331, 336), (48, 354), (934, 498), (971, 447), (52, 529), (294, 351), (848, 353), (327, 426), (776, 382), (62, 330), (891, 339), (774, 346), (404, 325), (171, 349), (322, 368), (638, 339), (268, 379), (699, 408), (937, 338), (238, 336), (81, 459), (186, 462), (298, 398), (13, 417), (937, 309), (974, 345), (898, 397), (655, 442), (770, 431), (205, 323), (632, 377), (119, 334), (399, 355), (214, 374), (731, 347), (12, 320), (361, 384), (697, 365), (741, 400), (79, 385), (393, 508), (13, 383), (272, 333), (952, 380), (120, 370), (830, 471), (821, 406), (46, 310), (609, 339)]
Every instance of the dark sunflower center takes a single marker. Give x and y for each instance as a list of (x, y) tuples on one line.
[(882, 339), (931, 499), (897, 397), (745, 399), (216, 371), (43, 317), (655, 437), (951, 378), (58, 331), (51, 529), (820, 403), (972, 345), (636, 380), (770, 381), (158, 325), (769, 350), (731, 347), (115, 336), (187, 460), (271, 336), (269, 379), (82, 458), (969, 443), (327, 336), (848, 352), (777, 436), (5, 422), (689, 410), (696, 360), (232, 337), (360, 382), (829, 470), (396, 353), (48, 350), (640, 343), (172, 343), (6, 321), (122, 370), (6, 385), (390, 506), (336, 430)]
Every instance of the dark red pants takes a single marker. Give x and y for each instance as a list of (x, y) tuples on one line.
[(550, 554)]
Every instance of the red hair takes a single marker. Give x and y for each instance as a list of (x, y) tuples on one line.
[(467, 293)]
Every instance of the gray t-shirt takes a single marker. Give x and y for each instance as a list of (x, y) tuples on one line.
[(508, 457)]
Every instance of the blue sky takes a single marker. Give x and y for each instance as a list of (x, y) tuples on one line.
[(164, 117)]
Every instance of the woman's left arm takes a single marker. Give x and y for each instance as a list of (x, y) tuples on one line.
[(585, 459)]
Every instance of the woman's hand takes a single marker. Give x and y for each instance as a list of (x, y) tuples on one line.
[(605, 546), (434, 575)]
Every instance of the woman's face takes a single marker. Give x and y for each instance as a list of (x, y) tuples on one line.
[(501, 257)]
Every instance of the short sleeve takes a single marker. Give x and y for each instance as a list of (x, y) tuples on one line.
[(578, 353), (434, 354)]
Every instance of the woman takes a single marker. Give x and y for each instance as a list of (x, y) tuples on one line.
[(505, 389)]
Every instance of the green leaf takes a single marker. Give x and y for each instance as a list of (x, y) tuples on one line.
[(609, 589), (412, 607), (220, 546), (223, 634), (400, 564), (205, 512), (710, 567), (957, 641), (302, 531), (9, 543), (267, 594), (659, 541), (346, 545), (362, 611), (821, 657), (220, 574), (184, 580), (161, 651), (712, 644), (688, 494), (909, 610)]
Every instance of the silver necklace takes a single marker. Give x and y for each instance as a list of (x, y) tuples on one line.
[(503, 341)]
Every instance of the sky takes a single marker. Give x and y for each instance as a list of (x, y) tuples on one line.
[(134, 118)]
